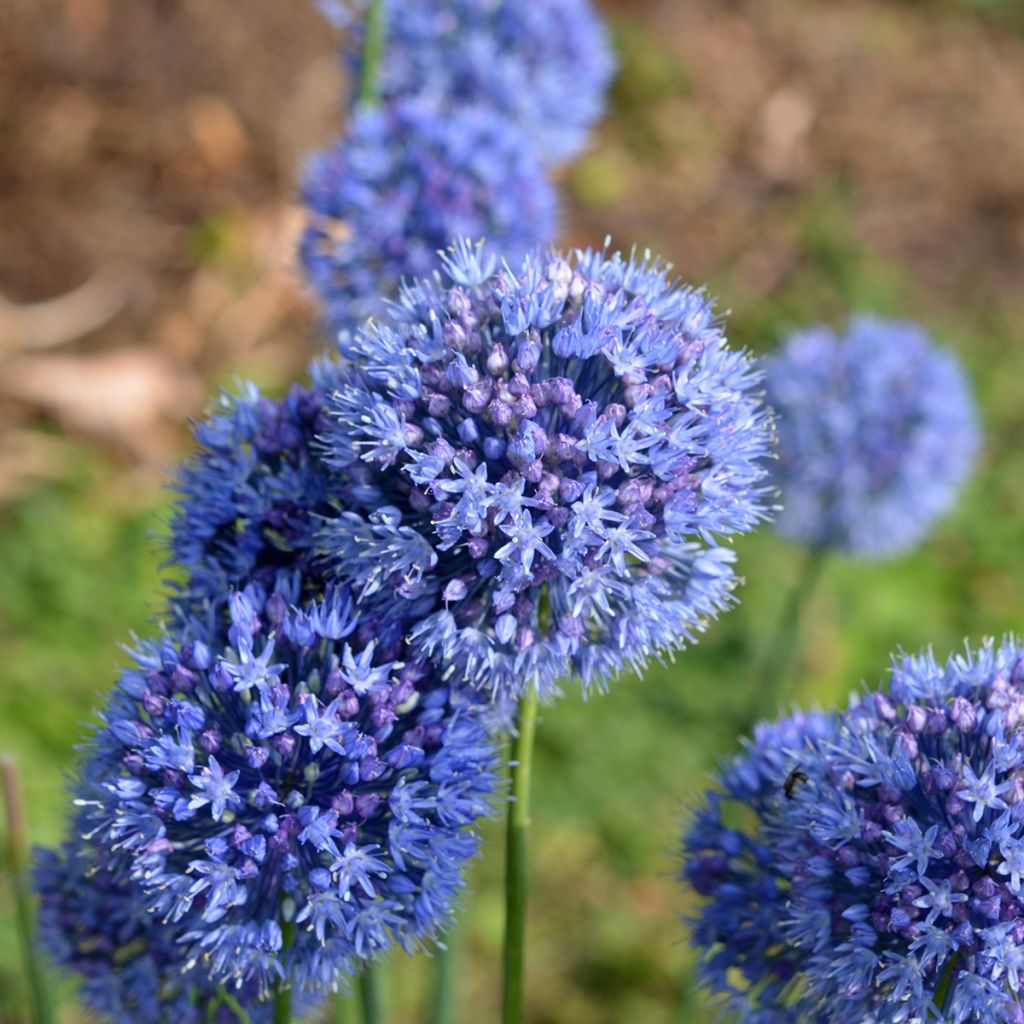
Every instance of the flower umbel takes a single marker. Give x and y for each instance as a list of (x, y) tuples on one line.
[(897, 862), (548, 451), (409, 177), (304, 767), (94, 921), (877, 432), (545, 65)]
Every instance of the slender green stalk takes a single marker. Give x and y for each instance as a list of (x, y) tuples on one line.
[(369, 994), (778, 663), (942, 989), (373, 50), (240, 1012), (343, 1009), (515, 860), (443, 998), (283, 991), (17, 850)]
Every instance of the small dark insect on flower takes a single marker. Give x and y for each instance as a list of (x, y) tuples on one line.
[(795, 777)]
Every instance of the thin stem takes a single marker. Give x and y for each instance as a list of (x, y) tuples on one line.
[(373, 50), (778, 663), (228, 1000), (344, 1010), (515, 859), (283, 991), (442, 999), (17, 850), (943, 987), (369, 994)]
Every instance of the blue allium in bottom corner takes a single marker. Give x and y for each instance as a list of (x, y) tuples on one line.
[(130, 967), (885, 881), (293, 769)]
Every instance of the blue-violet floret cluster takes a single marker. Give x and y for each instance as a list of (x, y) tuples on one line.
[(249, 499), (893, 865), (93, 921), (407, 179), (877, 431), (544, 65), (299, 772), (548, 454)]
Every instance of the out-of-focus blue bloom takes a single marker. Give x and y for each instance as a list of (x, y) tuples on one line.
[(408, 178), (898, 858), (550, 452), (94, 922), (877, 432), (248, 500), (306, 770), (545, 65), (745, 957)]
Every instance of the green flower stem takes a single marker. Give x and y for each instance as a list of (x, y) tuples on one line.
[(228, 1000), (778, 663), (343, 1009), (442, 998), (283, 990), (943, 987), (515, 860), (369, 994), (17, 852), (373, 50)]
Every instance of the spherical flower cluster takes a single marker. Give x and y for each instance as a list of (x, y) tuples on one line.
[(545, 65), (546, 454), (738, 929), (901, 854), (294, 796), (249, 499), (408, 179), (93, 922), (876, 430)]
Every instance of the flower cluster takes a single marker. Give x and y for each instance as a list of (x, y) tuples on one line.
[(876, 433), (738, 929), (93, 921), (545, 65), (899, 856), (292, 794), (408, 178), (548, 453), (249, 498)]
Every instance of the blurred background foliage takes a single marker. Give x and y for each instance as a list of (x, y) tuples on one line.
[(805, 158)]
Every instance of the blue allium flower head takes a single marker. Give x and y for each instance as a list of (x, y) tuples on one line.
[(301, 770), (548, 452), (248, 500), (407, 180), (746, 960), (900, 854), (877, 431), (94, 923), (545, 65)]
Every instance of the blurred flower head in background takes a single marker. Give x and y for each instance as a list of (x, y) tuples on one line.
[(877, 432), (93, 921), (895, 865), (304, 772), (545, 65), (549, 452), (408, 178), (248, 500)]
